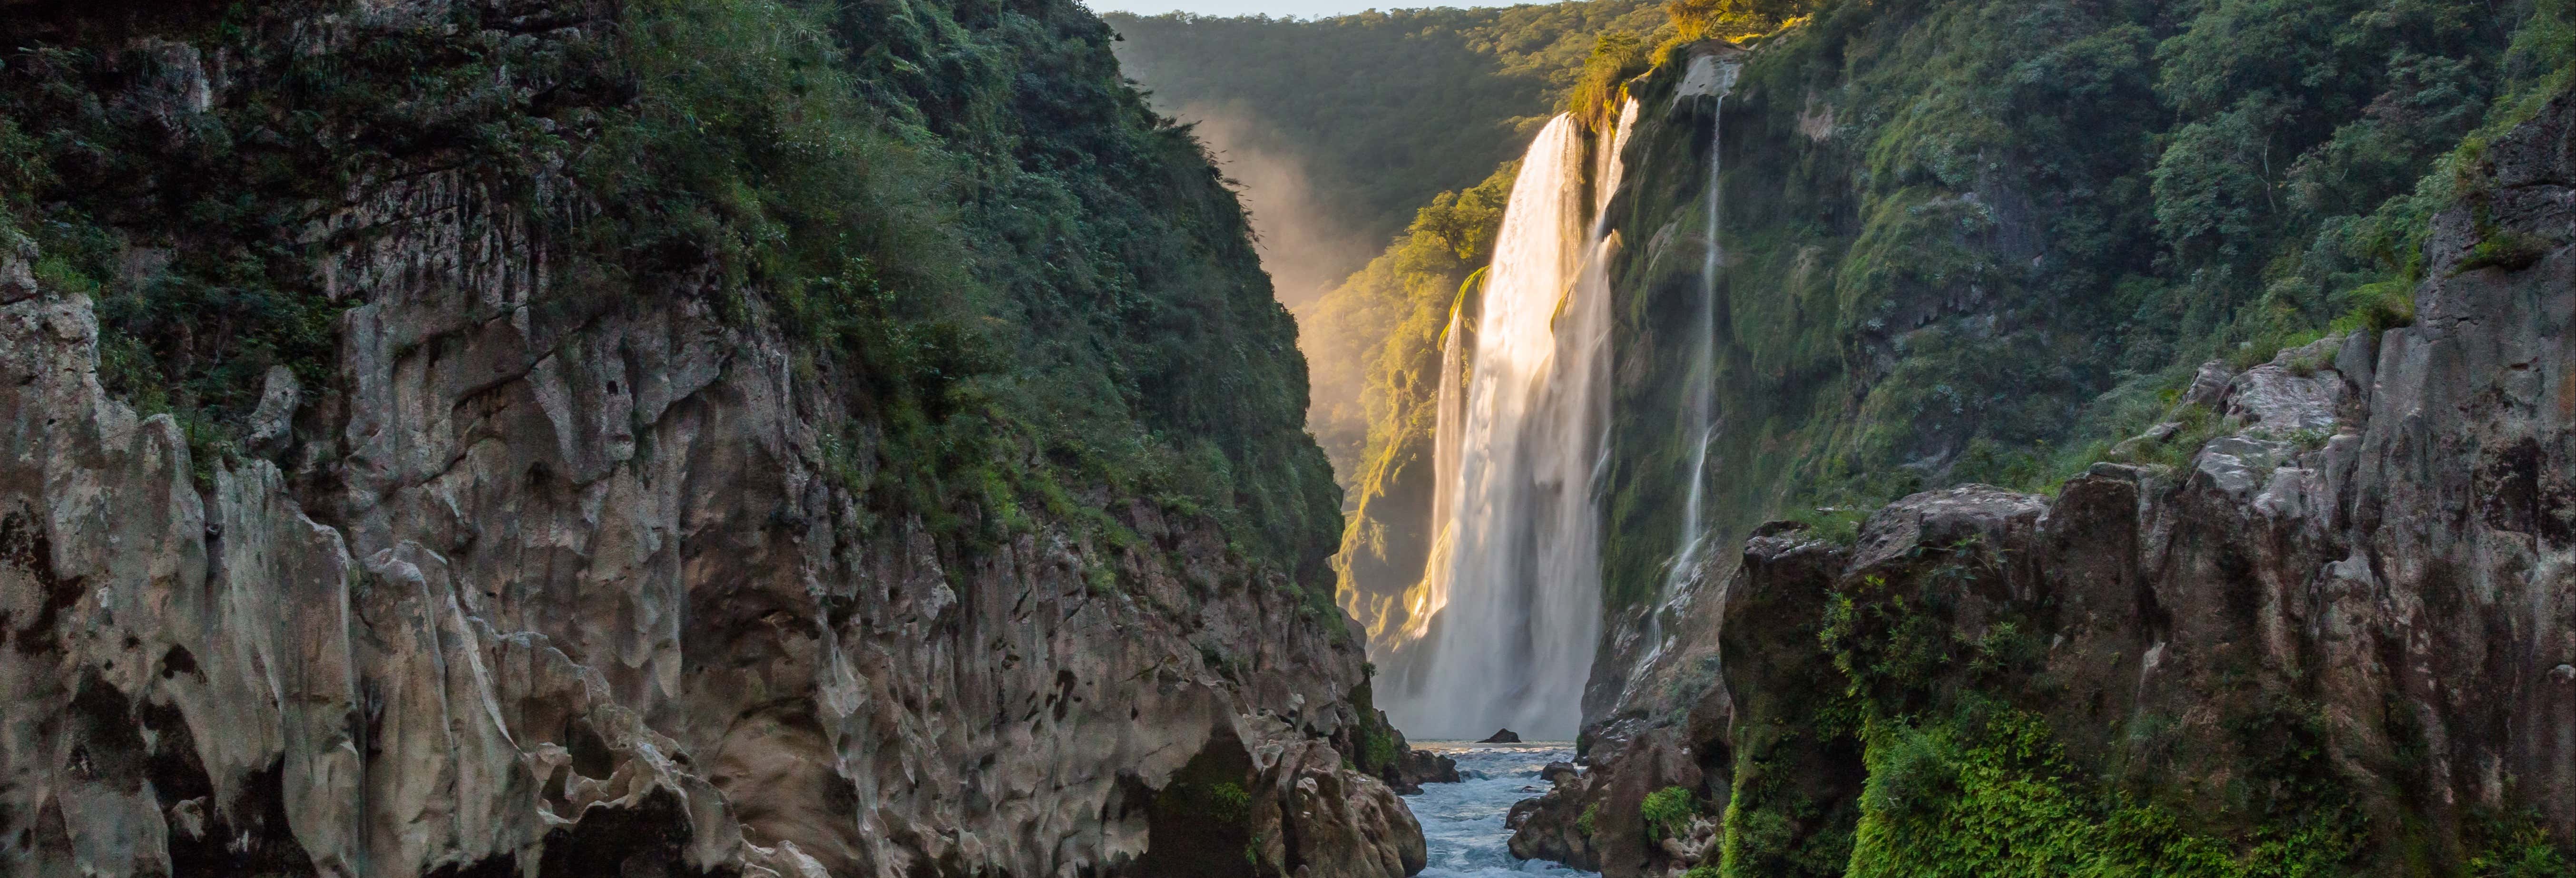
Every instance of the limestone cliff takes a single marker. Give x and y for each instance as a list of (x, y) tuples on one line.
[(533, 561), (2336, 633)]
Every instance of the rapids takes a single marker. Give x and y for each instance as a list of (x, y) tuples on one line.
[(1463, 821)]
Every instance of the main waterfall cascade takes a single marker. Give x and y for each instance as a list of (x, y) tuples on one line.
[(1506, 624)]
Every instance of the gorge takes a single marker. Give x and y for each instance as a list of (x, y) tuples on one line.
[(1954, 269), (479, 438)]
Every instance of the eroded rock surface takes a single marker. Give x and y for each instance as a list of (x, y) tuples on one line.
[(538, 587)]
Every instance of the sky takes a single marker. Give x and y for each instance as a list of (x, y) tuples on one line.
[(1299, 8)]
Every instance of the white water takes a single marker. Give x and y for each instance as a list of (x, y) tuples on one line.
[(1699, 383), (1463, 821), (1504, 627)]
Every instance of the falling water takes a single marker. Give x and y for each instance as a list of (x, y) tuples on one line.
[(1699, 383), (1504, 625)]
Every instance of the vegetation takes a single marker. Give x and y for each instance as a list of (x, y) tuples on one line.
[(1017, 288), (1959, 730), (1383, 331), (1733, 19), (1667, 812), (1383, 109), (1983, 241)]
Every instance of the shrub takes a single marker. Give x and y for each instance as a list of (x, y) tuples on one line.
[(1229, 804), (1668, 812)]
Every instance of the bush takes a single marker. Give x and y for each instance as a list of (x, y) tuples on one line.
[(1668, 812), (1229, 804)]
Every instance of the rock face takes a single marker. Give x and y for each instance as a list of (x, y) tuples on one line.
[(1418, 767), (545, 591), (2371, 561)]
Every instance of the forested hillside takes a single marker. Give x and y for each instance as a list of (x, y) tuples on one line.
[(1344, 134), (1984, 241), (2151, 387), (1375, 112), (558, 437)]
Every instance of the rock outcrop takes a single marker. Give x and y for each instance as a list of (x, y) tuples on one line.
[(542, 587), (1417, 767), (2355, 600)]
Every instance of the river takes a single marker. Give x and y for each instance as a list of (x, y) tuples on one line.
[(1463, 821)]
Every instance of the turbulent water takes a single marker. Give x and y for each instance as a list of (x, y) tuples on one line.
[(1463, 821), (1504, 634)]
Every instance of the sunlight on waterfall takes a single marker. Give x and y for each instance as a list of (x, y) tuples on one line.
[(1509, 608)]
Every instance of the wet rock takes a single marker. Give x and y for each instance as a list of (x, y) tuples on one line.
[(1417, 767), (1501, 736)]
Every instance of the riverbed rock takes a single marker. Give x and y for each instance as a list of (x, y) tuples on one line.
[(1418, 767)]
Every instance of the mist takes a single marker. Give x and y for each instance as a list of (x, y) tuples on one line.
[(1304, 248)]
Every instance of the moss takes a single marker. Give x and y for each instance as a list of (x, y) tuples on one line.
[(2508, 250), (1667, 812), (1990, 792)]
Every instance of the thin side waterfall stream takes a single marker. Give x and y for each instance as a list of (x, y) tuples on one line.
[(1699, 385)]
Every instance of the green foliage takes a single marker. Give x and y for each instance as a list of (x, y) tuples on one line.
[(1701, 19), (1377, 751), (1020, 289), (193, 230), (1667, 812), (2198, 426), (1225, 803), (1963, 774), (1382, 109), (2505, 249), (1584, 822), (1616, 57), (1838, 525), (1229, 804), (1990, 792), (2517, 846), (2000, 226), (1376, 342)]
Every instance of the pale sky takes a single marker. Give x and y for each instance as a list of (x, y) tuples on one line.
[(1298, 8)]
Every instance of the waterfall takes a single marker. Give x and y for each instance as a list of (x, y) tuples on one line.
[(1433, 595), (1698, 409), (1505, 623)]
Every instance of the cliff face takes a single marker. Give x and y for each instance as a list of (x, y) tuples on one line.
[(527, 566), (2337, 633), (1983, 241)]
